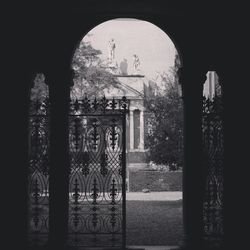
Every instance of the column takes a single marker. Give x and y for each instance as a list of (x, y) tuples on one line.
[(59, 80), (141, 146), (192, 80), (131, 130)]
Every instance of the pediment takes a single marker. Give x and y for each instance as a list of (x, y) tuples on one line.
[(119, 90), (131, 87)]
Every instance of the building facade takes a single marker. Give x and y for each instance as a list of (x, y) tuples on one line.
[(133, 87)]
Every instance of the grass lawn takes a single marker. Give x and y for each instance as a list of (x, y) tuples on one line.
[(154, 222)]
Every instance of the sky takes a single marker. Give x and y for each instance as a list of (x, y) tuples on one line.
[(154, 48)]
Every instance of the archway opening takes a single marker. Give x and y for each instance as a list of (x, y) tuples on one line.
[(136, 59)]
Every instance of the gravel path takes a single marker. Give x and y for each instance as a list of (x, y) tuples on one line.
[(154, 196)]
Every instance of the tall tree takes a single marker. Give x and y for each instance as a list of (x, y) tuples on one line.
[(91, 73), (165, 137), (40, 89)]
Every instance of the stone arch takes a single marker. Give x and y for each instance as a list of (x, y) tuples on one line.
[(64, 65)]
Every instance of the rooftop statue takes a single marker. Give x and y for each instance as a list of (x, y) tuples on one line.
[(111, 51), (136, 63), (124, 67)]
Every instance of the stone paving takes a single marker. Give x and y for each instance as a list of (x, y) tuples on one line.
[(152, 247), (154, 196), (150, 228)]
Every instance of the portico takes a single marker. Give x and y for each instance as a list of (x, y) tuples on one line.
[(133, 87)]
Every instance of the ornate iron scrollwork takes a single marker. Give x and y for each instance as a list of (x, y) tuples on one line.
[(38, 171), (85, 163), (104, 164), (113, 134), (87, 106), (97, 144), (94, 134)]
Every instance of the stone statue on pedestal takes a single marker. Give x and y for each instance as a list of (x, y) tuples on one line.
[(136, 63), (111, 51), (112, 65)]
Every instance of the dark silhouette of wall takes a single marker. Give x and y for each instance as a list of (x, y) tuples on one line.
[(42, 38)]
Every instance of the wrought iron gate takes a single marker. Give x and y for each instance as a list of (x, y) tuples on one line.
[(213, 152), (97, 172), (38, 172)]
